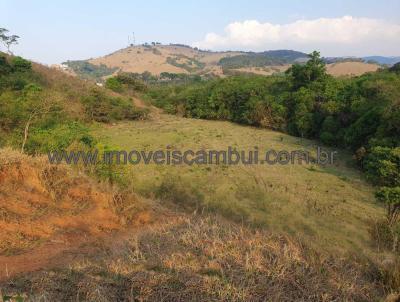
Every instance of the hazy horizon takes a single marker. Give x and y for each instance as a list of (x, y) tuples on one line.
[(56, 32)]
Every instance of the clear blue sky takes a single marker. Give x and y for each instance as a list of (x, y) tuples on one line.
[(54, 31)]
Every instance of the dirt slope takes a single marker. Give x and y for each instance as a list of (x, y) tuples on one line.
[(46, 210)]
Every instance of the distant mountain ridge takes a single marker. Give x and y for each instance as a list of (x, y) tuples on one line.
[(382, 60), (157, 59)]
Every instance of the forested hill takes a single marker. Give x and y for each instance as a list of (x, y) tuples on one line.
[(272, 57)]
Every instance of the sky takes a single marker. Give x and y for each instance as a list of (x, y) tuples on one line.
[(56, 31)]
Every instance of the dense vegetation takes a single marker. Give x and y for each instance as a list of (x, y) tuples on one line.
[(139, 82), (126, 82), (87, 70), (362, 113), (266, 58), (44, 109), (190, 64)]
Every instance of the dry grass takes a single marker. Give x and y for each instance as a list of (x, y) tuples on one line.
[(41, 203), (154, 60), (331, 207), (280, 233), (204, 259), (351, 68), (67, 90)]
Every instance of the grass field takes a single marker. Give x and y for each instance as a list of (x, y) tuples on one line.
[(202, 232), (330, 207)]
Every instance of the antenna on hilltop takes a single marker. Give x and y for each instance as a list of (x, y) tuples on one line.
[(131, 42)]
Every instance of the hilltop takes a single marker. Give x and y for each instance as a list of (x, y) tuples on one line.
[(156, 60)]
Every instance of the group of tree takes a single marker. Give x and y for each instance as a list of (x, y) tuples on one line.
[(126, 82), (43, 109), (90, 71), (360, 113), (261, 59)]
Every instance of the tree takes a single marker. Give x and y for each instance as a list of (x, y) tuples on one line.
[(382, 166), (13, 39), (8, 40), (113, 84), (301, 112), (313, 70), (36, 105), (3, 32), (391, 198), (395, 68), (3, 36)]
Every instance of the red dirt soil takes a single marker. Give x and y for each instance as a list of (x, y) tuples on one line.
[(49, 214)]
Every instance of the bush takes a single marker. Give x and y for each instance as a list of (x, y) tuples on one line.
[(382, 166), (20, 64), (395, 68), (390, 197), (176, 190), (113, 84), (131, 81), (113, 173), (381, 234), (327, 138), (330, 134), (5, 68), (59, 137), (87, 70), (101, 107)]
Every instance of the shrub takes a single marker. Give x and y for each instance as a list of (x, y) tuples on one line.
[(113, 84), (59, 137), (101, 107), (5, 68), (391, 198), (395, 68), (87, 70), (113, 173), (131, 81), (176, 190), (20, 64), (234, 211), (381, 234), (382, 166)]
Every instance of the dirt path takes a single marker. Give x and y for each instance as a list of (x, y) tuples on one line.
[(66, 249), (57, 252)]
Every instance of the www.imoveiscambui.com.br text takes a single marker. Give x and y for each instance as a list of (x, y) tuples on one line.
[(229, 156)]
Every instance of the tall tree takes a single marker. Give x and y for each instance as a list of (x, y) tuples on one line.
[(304, 74), (8, 41), (11, 40)]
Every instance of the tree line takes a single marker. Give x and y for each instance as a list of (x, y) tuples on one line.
[(361, 114)]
